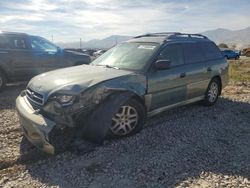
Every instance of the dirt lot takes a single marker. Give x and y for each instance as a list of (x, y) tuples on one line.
[(191, 146)]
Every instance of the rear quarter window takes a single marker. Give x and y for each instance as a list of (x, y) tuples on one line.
[(210, 50)]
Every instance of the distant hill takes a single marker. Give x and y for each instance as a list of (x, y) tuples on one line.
[(96, 43), (239, 37)]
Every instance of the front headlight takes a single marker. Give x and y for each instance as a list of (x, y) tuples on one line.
[(65, 99)]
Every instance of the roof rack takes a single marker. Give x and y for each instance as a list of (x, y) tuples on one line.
[(172, 34), (192, 35)]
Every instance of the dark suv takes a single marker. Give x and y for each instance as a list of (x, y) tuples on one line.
[(23, 56), (111, 97)]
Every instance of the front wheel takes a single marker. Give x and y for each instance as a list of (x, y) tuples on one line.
[(212, 92), (128, 120)]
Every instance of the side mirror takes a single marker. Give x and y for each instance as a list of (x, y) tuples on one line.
[(162, 64)]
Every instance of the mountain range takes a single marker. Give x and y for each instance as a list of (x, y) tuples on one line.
[(240, 38), (97, 43)]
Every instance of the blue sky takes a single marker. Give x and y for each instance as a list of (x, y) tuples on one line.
[(69, 20)]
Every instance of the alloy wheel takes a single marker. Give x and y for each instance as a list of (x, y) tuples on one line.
[(124, 121), (213, 92)]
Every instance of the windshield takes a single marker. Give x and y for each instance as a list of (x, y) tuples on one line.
[(38, 43), (131, 56)]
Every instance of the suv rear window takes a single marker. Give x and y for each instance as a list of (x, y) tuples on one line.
[(4, 42)]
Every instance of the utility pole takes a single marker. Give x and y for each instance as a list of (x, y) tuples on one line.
[(115, 40), (80, 43), (52, 38)]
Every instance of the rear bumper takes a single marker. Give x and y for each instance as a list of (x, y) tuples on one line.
[(36, 128)]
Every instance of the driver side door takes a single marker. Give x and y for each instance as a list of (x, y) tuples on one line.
[(168, 87), (46, 55)]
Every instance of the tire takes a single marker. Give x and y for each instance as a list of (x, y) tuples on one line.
[(2, 81), (226, 57), (248, 54), (212, 93), (237, 57), (121, 127)]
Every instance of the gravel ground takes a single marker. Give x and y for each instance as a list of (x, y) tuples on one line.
[(190, 146)]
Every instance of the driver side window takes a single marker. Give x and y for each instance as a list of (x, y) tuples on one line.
[(173, 53), (42, 45)]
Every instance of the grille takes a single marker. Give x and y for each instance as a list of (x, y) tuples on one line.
[(35, 97)]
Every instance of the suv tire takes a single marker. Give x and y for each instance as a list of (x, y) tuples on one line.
[(128, 120), (212, 93), (2, 80)]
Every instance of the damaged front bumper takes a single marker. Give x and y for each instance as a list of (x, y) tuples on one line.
[(36, 128)]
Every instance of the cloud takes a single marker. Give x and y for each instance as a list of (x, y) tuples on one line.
[(68, 20)]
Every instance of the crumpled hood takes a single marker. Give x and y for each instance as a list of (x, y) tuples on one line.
[(73, 79)]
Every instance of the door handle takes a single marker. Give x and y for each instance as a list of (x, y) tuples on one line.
[(182, 75), (3, 52), (209, 69)]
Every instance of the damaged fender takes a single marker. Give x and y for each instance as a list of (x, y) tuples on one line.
[(99, 121)]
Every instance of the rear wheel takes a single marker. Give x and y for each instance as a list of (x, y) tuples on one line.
[(248, 54), (2, 81), (128, 120), (212, 92)]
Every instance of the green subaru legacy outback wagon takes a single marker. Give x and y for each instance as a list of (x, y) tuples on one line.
[(112, 96)]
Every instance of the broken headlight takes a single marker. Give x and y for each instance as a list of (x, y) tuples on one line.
[(65, 100)]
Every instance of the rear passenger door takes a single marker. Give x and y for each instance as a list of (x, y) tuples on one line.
[(197, 69), (21, 58), (167, 87), (4, 53)]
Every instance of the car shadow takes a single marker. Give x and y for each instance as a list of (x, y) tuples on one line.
[(9, 94), (204, 139)]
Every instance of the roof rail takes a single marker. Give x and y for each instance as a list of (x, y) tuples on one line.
[(157, 34), (172, 34), (167, 33), (192, 35)]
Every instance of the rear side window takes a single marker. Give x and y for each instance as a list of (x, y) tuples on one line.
[(18, 43), (192, 53), (210, 50), (172, 52), (4, 42)]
